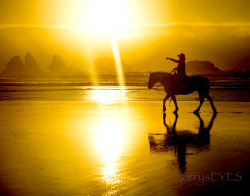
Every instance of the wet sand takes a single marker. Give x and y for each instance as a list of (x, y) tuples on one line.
[(123, 148)]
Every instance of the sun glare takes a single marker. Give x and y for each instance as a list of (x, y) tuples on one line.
[(107, 15), (107, 96), (109, 142), (102, 96), (109, 139)]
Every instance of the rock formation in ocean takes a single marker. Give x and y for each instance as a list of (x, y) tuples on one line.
[(31, 65), (202, 67), (58, 66), (107, 64), (244, 65), (14, 66)]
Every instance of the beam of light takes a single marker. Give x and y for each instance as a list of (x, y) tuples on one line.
[(109, 16), (117, 58), (92, 71), (93, 77)]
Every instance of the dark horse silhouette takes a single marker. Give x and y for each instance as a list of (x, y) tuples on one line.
[(181, 140), (192, 83)]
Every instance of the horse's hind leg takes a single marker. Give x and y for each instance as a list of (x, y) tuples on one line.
[(201, 102), (175, 103), (211, 102)]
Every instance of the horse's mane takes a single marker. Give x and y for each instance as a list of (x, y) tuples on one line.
[(161, 74)]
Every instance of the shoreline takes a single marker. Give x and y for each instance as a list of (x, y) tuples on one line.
[(72, 147)]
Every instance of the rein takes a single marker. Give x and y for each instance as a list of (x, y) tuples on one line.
[(160, 74), (157, 87)]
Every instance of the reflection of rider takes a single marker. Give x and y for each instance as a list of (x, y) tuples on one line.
[(181, 70)]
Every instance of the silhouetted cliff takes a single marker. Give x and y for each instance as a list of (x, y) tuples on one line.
[(31, 65), (58, 66), (244, 65), (14, 66), (201, 67)]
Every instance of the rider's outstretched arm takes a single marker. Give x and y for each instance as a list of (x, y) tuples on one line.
[(174, 60)]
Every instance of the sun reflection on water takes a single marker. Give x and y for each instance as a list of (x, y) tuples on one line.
[(109, 139), (104, 96), (109, 142), (108, 96)]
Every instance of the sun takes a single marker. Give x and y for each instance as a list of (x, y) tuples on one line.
[(107, 15)]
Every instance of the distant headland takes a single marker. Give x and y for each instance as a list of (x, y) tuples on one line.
[(17, 68)]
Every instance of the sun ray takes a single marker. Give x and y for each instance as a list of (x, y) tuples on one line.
[(117, 57), (109, 17)]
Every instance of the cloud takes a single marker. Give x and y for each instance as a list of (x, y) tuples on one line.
[(162, 25), (9, 26)]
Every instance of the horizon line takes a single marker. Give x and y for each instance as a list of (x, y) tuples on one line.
[(141, 25)]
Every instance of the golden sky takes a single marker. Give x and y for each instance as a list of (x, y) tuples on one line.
[(67, 12), (146, 31)]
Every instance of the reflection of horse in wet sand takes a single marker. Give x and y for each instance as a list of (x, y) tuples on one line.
[(192, 83), (181, 140)]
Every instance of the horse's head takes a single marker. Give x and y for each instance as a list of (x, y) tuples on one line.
[(152, 80)]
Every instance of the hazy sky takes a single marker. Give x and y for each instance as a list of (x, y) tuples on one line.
[(56, 12), (215, 30)]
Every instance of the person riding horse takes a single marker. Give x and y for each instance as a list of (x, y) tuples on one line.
[(181, 84), (180, 78)]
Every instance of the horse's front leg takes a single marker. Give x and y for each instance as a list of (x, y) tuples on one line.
[(175, 103), (164, 101)]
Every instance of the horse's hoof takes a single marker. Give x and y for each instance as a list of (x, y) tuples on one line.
[(196, 112), (164, 110), (175, 112)]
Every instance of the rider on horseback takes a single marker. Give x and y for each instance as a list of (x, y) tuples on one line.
[(179, 79), (181, 84)]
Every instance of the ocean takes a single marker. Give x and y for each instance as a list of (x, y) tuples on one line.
[(65, 135), (80, 88)]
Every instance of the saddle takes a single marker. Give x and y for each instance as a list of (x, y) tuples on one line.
[(179, 83)]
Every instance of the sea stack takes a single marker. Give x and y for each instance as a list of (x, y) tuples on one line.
[(58, 65), (201, 67), (31, 65), (14, 66)]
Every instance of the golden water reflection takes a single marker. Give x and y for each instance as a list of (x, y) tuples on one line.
[(109, 139), (89, 148), (110, 142), (108, 96)]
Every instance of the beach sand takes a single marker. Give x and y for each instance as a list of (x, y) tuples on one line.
[(123, 148)]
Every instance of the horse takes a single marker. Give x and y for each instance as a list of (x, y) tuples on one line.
[(193, 83)]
